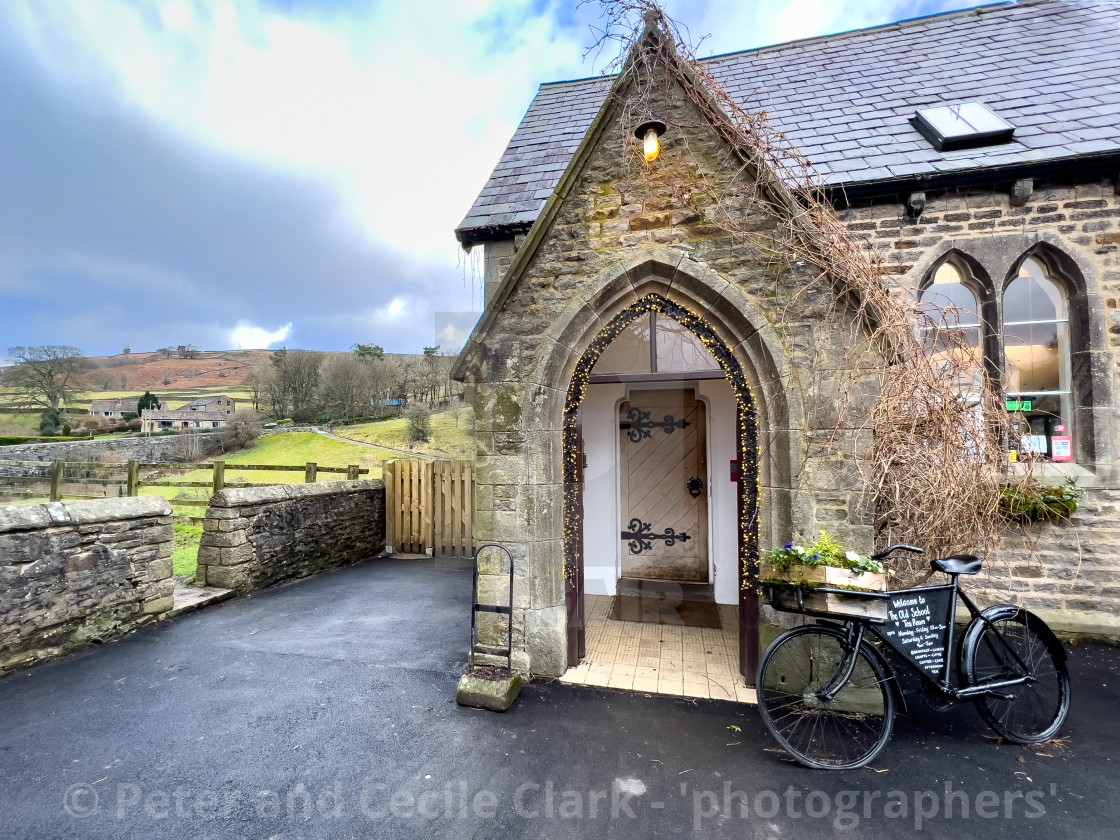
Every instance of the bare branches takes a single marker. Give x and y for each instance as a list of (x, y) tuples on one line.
[(44, 377)]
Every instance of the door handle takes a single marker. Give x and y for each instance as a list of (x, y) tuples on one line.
[(695, 487)]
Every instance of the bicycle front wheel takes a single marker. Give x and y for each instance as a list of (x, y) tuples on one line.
[(846, 731), (1014, 643)]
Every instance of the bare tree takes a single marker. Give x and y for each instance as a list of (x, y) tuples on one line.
[(385, 378), (257, 382), (192, 446), (300, 375), (45, 376), (288, 384), (267, 392), (345, 386)]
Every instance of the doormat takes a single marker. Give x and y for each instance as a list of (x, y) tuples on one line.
[(661, 611)]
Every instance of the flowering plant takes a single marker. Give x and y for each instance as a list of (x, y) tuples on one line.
[(824, 552)]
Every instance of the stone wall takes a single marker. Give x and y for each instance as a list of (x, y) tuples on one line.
[(75, 573), (259, 536), (1068, 571), (155, 450)]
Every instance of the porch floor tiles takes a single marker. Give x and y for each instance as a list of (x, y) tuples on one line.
[(661, 658)]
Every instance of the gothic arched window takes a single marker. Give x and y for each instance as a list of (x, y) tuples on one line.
[(1036, 352), (957, 326)]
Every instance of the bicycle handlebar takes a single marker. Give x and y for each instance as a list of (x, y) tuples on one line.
[(883, 554)]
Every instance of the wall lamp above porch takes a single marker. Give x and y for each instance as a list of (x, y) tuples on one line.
[(650, 133)]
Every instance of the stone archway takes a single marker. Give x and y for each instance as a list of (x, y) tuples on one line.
[(748, 520), (521, 382)]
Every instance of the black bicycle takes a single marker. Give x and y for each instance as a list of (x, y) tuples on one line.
[(828, 695)]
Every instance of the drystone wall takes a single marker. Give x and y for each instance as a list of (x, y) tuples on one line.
[(154, 450), (259, 536), (76, 573)]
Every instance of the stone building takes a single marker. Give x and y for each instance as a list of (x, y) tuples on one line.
[(113, 409), (639, 377), (218, 404), (204, 413)]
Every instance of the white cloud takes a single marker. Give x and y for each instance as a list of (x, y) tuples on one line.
[(394, 310), (246, 336), (177, 15), (402, 110)]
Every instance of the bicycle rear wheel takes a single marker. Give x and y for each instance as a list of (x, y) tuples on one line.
[(1027, 713), (847, 731)]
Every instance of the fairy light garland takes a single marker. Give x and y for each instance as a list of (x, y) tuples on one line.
[(750, 451)]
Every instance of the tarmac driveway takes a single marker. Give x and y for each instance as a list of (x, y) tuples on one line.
[(326, 708)]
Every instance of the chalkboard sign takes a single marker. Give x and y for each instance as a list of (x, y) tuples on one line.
[(917, 627)]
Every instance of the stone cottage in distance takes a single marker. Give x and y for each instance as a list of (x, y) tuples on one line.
[(645, 389), (213, 412), (114, 408)]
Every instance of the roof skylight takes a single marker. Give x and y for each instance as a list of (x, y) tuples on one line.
[(962, 126)]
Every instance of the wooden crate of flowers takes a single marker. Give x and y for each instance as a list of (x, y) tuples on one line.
[(826, 564)]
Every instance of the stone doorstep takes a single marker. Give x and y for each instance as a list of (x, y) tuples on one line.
[(190, 598)]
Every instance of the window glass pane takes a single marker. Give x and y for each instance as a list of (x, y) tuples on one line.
[(1032, 297), (949, 301), (678, 348), (963, 120), (1042, 425), (629, 352), (1036, 356)]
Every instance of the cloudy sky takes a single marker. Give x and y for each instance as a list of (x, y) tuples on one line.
[(259, 173)]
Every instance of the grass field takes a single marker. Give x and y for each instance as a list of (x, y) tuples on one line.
[(19, 423), (295, 449), (187, 537), (450, 439)]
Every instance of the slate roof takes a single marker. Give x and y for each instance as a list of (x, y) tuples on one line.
[(201, 402), (123, 404), (1049, 67)]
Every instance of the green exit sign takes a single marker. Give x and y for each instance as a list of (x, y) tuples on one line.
[(1019, 405)]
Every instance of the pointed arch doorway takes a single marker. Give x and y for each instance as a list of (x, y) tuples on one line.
[(661, 492)]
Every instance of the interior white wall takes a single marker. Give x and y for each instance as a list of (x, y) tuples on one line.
[(600, 491), (723, 543)]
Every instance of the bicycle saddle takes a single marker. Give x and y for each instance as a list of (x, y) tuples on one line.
[(958, 564)]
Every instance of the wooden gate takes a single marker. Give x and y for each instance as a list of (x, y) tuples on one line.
[(429, 506)]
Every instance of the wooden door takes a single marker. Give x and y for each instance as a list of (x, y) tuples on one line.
[(664, 488)]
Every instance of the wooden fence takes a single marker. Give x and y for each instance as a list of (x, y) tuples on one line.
[(429, 505), (75, 480)]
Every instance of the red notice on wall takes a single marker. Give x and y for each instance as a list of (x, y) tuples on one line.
[(1062, 448), (734, 471)]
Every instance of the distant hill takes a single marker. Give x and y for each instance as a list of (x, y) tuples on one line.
[(148, 372)]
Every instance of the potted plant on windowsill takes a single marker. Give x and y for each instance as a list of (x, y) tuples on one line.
[(828, 564)]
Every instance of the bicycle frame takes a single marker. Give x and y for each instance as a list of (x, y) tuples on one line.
[(857, 629)]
